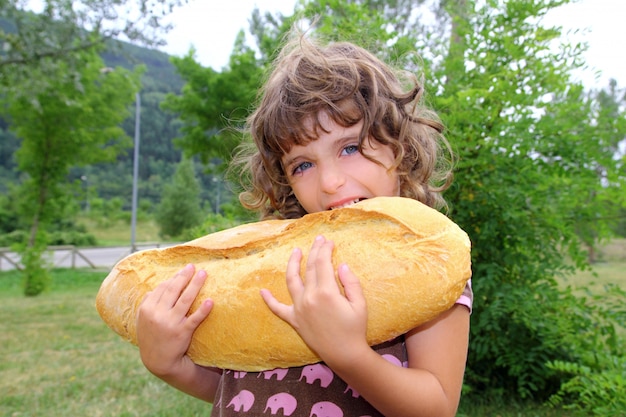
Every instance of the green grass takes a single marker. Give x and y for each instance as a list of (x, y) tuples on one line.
[(58, 358), (609, 270), (602, 275), (117, 232)]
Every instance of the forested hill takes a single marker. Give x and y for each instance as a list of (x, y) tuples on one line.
[(158, 155)]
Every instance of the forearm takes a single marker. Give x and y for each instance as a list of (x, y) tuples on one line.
[(195, 380), (397, 391), (430, 386)]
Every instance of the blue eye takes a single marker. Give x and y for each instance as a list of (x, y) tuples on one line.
[(301, 167), (350, 149)]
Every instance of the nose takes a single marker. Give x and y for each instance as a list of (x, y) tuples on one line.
[(331, 177)]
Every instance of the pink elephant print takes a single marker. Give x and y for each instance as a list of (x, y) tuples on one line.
[(279, 372), (392, 359), (237, 374), (242, 401), (284, 401), (326, 409), (312, 373), (355, 393)]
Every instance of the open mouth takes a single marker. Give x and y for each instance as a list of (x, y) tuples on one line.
[(347, 204)]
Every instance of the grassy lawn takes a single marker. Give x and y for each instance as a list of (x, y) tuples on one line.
[(117, 232), (57, 357)]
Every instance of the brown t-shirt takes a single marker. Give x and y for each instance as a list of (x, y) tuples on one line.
[(312, 390)]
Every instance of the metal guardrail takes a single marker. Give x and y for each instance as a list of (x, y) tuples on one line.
[(73, 254), (5, 255)]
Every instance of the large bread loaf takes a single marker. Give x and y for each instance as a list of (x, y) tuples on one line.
[(413, 263)]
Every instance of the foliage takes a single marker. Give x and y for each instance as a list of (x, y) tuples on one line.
[(8, 214), (37, 48), (213, 105), (528, 158), (36, 275), (594, 384), (359, 24), (584, 158), (595, 390), (268, 32), (62, 30), (213, 222), (158, 155), (70, 120), (179, 209), (66, 232)]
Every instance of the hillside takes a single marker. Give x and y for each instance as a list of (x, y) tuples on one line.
[(158, 129)]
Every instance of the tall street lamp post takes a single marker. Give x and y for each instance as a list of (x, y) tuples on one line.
[(133, 218)]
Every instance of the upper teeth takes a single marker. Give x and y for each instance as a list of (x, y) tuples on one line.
[(349, 203)]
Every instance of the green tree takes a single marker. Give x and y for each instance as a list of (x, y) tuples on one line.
[(63, 28), (73, 121), (213, 105), (528, 162), (586, 160), (180, 208)]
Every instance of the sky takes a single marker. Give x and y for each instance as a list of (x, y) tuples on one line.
[(211, 27)]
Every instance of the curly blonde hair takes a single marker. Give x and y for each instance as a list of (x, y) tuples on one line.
[(349, 84)]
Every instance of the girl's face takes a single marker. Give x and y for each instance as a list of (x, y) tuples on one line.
[(330, 172)]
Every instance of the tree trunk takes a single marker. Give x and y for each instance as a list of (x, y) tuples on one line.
[(455, 60)]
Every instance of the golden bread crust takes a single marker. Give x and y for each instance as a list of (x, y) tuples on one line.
[(413, 263)]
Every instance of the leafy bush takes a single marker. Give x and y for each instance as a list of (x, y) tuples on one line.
[(179, 209), (35, 275), (595, 381), (12, 238), (597, 391), (212, 223), (72, 237)]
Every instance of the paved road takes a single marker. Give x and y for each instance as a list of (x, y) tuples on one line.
[(66, 257)]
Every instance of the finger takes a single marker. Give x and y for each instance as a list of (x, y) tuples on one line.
[(174, 287), (200, 314), (281, 310), (311, 262), (155, 294), (190, 292), (293, 277), (351, 285), (324, 270)]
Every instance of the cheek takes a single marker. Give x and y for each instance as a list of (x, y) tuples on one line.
[(301, 191), (394, 184)]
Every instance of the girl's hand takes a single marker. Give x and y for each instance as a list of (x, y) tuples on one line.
[(163, 328), (326, 319)]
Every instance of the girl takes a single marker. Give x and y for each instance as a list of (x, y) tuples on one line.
[(334, 126)]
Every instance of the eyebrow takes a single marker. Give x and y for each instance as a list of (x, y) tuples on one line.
[(288, 163)]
